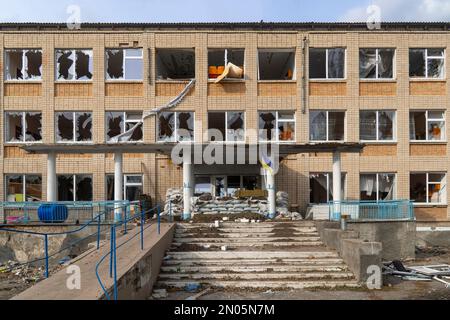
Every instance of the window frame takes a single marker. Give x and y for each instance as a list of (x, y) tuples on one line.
[(427, 119), (226, 127), (377, 122), (125, 121), (327, 125), (24, 184), (277, 120), (24, 130), (377, 181), (225, 64), (427, 183), (394, 65), (74, 183), (328, 176), (24, 50), (124, 79), (427, 57), (327, 78), (283, 50), (74, 113), (176, 138)]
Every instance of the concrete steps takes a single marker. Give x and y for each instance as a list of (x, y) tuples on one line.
[(258, 255)]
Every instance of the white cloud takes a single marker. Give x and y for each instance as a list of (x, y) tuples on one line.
[(402, 10)]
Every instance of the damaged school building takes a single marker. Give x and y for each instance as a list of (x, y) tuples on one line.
[(79, 106)]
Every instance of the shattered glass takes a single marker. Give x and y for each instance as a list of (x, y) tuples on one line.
[(114, 124), (166, 126), (318, 126), (14, 127), (83, 126), (64, 61), (83, 66), (64, 127), (267, 125), (235, 126), (114, 64), (336, 63), (33, 126), (185, 126)]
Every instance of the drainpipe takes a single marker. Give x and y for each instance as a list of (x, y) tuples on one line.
[(304, 75), (118, 185), (51, 176)]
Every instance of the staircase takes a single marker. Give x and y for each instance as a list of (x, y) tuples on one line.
[(266, 255)]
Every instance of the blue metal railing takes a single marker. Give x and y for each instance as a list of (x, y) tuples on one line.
[(361, 210)]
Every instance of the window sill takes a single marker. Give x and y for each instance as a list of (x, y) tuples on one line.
[(277, 141), (74, 81), (277, 81), (379, 142), (123, 81), (384, 80), (428, 142), (173, 81), (326, 141), (344, 80), (19, 144), (229, 80), (24, 81), (74, 142), (126, 142), (427, 79)]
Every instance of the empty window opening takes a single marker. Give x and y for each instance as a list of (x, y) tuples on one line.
[(74, 64), (376, 125), (226, 63), (426, 63), (77, 187), (73, 126), (276, 64), (23, 187), (132, 187), (321, 187), (376, 63), (21, 64), (175, 64), (175, 126), (124, 64), (427, 125), (226, 126), (23, 126), (120, 122), (326, 63), (277, 126), (428, 187), (327, 125), (377, 186)]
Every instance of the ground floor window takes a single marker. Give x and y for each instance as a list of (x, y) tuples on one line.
[(377, 186), (225, 185), (23, 187), (132, 186), (428, 187), (321, 187), (76, 187)]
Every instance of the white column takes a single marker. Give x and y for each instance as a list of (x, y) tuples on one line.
[(118, 184), (187, 189), (271, 199), (51, 176), (337, 197)]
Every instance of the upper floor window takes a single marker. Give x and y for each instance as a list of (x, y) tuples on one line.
[(428, 187), (175, 64), (23, 187), (73, 64), (276, 126), (226, 63), (73, 126), (23, 64), (426, 63), (327, 125), (120, 122), (226, 126), (327, 63), (376, 125), (23, 126), (75, 187), (276, 64), (124, 64), (175, 126), (376, 63), (377, 186), (427, 125)]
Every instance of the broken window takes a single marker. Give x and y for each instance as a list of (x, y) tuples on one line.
[(23, 187), (276, 64), (427, 125), (277, 126), (428, 187), (218, 59), (132, 186), (377, 186), (175, 64), (74, 64), (376, 125), (327, 125), (226, 126), (23, 126), (376, 63), (82, 190), (73, 126), (23, 64), (321, 187), (120, 122), (202, 185), (175, 126), (327, 63), (124, 64), (426, 63)]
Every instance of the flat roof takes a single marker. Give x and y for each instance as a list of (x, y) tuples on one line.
[(226, 26), (166, 148)]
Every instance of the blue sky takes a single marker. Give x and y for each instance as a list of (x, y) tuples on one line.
[(227, 11)]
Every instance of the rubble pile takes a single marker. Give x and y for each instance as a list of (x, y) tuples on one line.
[(205, 204), (174, 202), (27, 273)]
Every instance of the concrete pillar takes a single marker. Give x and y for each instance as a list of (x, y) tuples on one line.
[(337, 197), (51, 177), (271, 199), (187, 189), (118, 184)]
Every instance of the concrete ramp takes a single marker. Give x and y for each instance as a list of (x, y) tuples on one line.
[(137, 269)]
